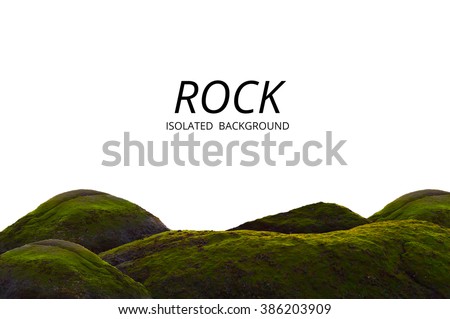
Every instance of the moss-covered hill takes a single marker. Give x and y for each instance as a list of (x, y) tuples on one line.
[(430, 205), (317, 251), (314, 218), (60, 269), (95, 220), (393, 259)]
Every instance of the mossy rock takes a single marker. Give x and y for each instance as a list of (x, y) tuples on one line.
[(314, 218), (95, 220), (394, 259), (61, 269), (429, 205)]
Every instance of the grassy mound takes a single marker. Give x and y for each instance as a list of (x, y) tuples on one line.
[(60, 269), (428, 205), (394, 259), (95, 220), (314, 218)]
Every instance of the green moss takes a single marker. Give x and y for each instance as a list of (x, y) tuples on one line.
[(379, 260), (314, 218), (316, 251), (428, 205), (93, 219), (60, 269)]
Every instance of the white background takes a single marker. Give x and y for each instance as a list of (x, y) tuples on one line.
[(74, 74), (340, 308)]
